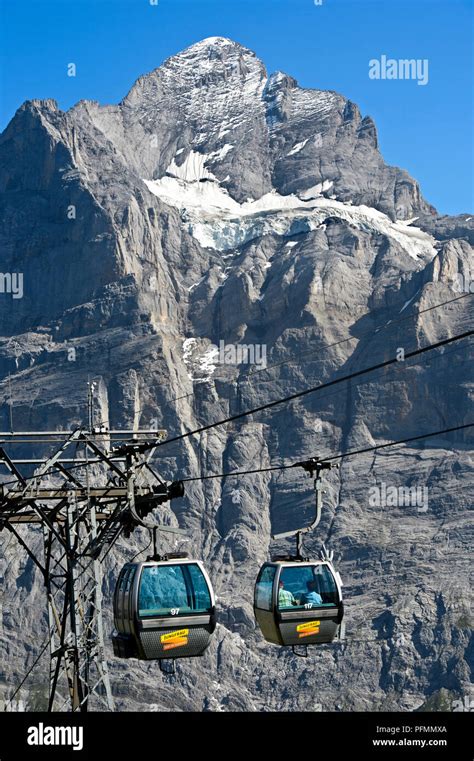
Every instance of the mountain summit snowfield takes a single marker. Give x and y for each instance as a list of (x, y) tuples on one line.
[(218, 203)]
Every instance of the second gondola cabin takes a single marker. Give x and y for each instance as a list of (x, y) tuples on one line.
[(298, 602), (163, 609)]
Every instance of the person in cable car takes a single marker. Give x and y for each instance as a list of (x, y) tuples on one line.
[(305, 585), (285, 597), (298, 602), (311, 596)]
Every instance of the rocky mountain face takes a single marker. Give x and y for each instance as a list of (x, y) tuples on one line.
[(218, 204)]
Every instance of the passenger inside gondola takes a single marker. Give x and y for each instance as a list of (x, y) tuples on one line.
[(311, 596), (307, 585), (285, 597)]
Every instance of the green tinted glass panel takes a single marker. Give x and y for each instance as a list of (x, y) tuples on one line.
[(326, 585), (306, 587), (168, 590), (201, 595), (264, 588), (130, 577)]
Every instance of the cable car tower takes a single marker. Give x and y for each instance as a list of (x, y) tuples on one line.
[(83, 496)]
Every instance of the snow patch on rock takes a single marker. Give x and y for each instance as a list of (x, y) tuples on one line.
[(192, 169), (297, 148), (219, 222), (200, 365), (316, 190)]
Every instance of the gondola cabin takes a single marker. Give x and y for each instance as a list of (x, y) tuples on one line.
[(163, 609), (298, 602)]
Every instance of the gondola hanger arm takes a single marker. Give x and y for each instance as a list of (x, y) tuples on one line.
[(313, 466)]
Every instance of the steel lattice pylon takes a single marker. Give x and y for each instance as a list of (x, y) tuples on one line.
[(81, 520), (74, 598)]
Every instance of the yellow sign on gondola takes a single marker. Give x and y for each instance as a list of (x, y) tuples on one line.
[(177, 635), (307, 626)]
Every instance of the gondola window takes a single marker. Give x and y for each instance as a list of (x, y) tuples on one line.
[(172, 590), (307, 587), (201, 596), (264, 588)]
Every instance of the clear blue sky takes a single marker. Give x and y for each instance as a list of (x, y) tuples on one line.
[(427, 130)]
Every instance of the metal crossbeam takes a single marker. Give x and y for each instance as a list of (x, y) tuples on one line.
[(111, 492)]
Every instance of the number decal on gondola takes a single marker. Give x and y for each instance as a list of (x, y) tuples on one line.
[(174, 611)]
